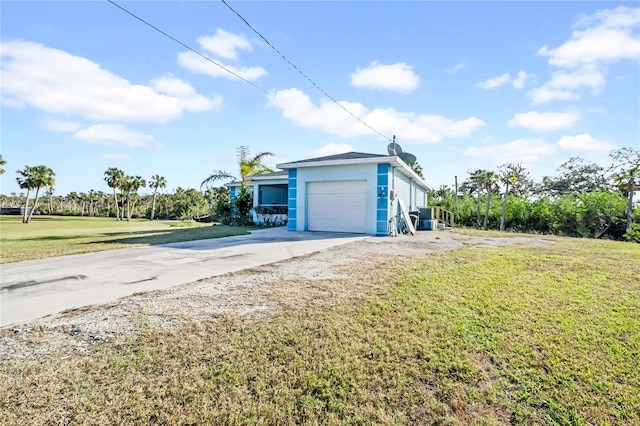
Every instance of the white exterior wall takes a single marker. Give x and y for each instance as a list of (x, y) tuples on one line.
[(420, 197), (367, 172), (402, 187)]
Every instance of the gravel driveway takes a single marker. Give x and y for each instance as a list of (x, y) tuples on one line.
[(253, 294)]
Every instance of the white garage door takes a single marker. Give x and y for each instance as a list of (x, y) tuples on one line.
[(337, 206)]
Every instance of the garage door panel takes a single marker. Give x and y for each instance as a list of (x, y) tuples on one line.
[(336, 206)]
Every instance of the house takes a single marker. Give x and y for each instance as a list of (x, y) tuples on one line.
[(349, 192)]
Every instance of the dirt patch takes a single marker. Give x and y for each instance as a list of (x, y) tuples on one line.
[(253, 294)]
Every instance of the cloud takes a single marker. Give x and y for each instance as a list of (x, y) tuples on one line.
[(112, 157), (60, 83), (332, 149), (585, 142), (398, 77), (225, 44), (456, 68), (519, 81), (504, 79), (610, 38), (603, 38), (544, 121), (56, 125), (544, 94), (114, 135), (222, 45), (495, 82), (297, 107), (563, 85), (197, 63), (187, 97), (526, 151)]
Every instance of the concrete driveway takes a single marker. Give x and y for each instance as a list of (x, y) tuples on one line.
[(36, 288)]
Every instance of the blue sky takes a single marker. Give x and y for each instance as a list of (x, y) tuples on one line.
[(462, 85)]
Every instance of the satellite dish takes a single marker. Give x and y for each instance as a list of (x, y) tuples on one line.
[(394, 149), (410, 159)]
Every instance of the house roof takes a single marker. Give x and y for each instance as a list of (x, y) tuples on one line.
[(344, 156), (350, 158), (280, 174)]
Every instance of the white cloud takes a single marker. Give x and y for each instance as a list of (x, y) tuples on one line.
[(187, 97), (610, 39), (297, 107), (60, 83), (588, 75), (544, 94), (519, 81), (585, 142), (398, 77), (56, 125), (544, 121), (114, 135), (197, 63), (526, 151), (503, 80), (606, 37), (112, 157), (332, 149), (495, 82), (456, 68), (225, 44)]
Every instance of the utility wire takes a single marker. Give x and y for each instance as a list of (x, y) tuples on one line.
[(300, 72), (189, 47)]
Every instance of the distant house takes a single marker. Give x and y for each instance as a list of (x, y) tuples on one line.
[(349, 192)]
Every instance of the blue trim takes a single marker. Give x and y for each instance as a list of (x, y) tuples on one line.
[(382, 204), (292, 200), (232, 200)]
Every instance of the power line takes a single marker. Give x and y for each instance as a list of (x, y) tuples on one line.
[(300, 72), (189, 47), (186, 46)]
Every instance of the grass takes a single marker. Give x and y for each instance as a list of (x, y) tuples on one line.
[(520, 335), (47, 236)]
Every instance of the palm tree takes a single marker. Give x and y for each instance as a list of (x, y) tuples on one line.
[(509, 176), (626, 175), (476, 177), (488, 181), (113, 177), (248, 165), (2, 163), (157, 181), (36, 177), (130, 186)]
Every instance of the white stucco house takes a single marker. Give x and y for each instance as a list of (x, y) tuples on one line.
[(349, 192)]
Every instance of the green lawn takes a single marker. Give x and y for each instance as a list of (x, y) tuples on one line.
[(47, 236), (512, 335)]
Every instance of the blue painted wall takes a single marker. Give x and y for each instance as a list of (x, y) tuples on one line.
[(382, 209), (293, 193)]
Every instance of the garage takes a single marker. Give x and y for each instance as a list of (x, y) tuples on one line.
[(337, 206)]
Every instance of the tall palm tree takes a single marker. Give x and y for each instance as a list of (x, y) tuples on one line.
[(130, 186), (2, 163), (488, 181), (157, 181), (249, 166), (113, 177), (476, 177), (36, 177), (509, 176)]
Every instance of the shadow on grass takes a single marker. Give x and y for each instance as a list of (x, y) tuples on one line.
[(174, 235)]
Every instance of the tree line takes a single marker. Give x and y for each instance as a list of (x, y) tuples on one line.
[(582, 199), (124, 202)]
